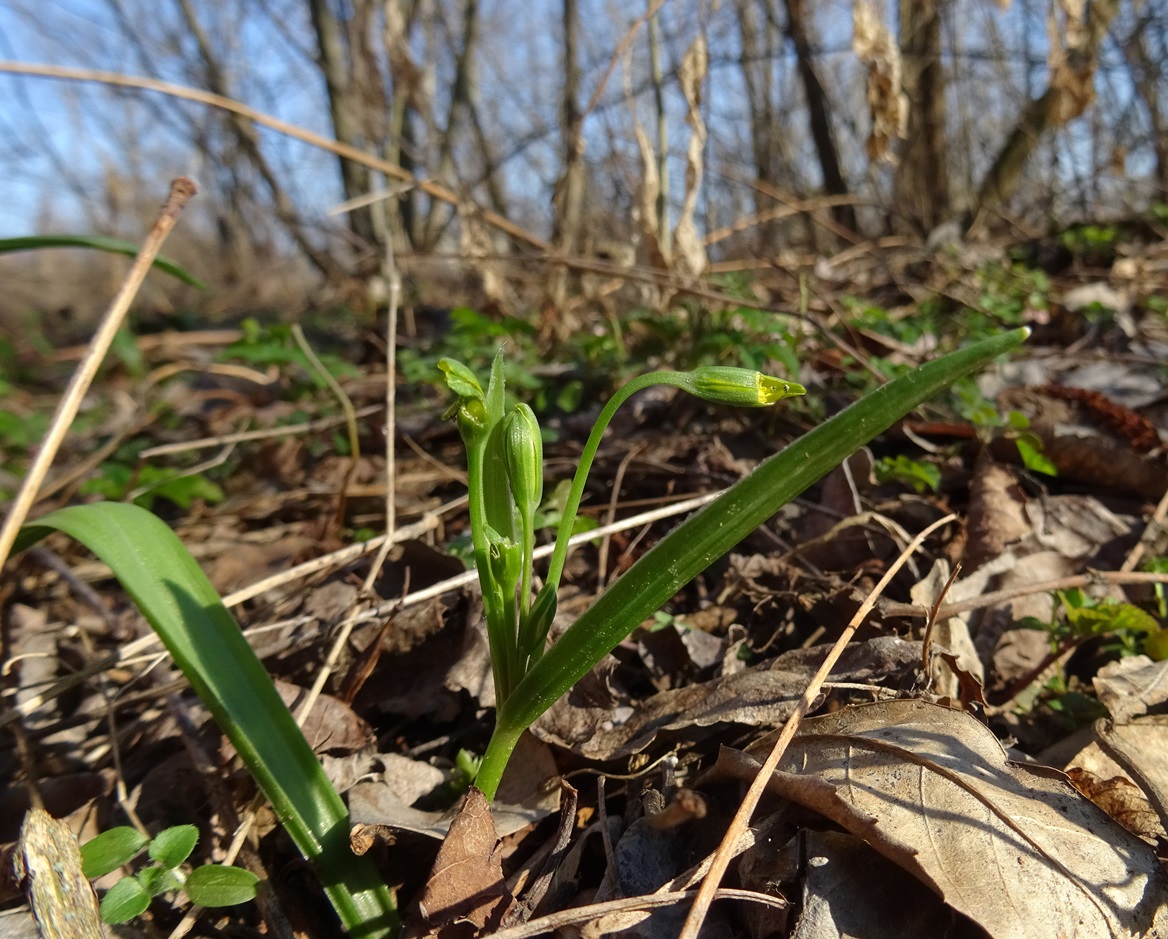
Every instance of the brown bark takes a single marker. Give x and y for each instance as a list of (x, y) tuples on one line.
[(1063, 99), (921, 184), (569, 195), (818, 112), (248, 139), (344, 104)]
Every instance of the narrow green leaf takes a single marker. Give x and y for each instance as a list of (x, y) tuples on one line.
[(98, 243), (175, 596), (708, 535)]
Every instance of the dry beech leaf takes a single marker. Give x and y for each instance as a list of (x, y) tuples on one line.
[(689, 249), (1120, 798), (1141, 749), (609, 728), (466, 884), (1128, 687), (1013, 847), (875, 47)]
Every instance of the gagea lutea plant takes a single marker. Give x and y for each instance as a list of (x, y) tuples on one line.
[(504, 454)]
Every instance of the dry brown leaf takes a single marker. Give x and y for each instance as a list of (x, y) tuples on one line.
[(1120, 798), (466, 884), (875, 47), (650, 188), (850, 890), (331, 724), (1129, 686), (766, 694), (1013, 847), (1141, 748)]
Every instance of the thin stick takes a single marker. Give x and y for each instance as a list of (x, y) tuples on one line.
[(1137, 553), (1118, 578), (181, 191), (738, 825)]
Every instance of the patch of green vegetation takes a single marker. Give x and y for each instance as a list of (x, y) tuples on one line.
[(902, 469), (147, 484), (1077, 616), (265, 345), (1007, 293), (208, 885), (1091, 240)]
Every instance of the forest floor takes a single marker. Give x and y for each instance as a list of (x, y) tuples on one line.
[(900, 814)]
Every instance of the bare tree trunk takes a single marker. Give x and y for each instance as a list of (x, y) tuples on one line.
[(756, 79), (337, 68), (248, 139), (817, 107), (461, 97), (1066, 96), (663, 236), (1147, 78), (921, 184), (408, 104), (569, 197)]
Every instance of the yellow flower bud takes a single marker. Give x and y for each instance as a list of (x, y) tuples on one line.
[(726, 384)]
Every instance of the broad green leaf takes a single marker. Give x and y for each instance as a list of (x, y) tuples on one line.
[(174, 595), (216, 885), (110, 850), (172, 846), (123, 901)]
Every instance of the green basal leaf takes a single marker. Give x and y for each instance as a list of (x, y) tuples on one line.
[(97, 243), (178, 601)]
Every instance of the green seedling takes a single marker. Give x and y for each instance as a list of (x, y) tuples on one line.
[(902, 469), (208, 885), (1077, 616)]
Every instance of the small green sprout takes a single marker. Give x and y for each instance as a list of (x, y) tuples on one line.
[(209, 885)]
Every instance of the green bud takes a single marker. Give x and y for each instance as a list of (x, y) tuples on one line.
[(725, 384), (523, 454), (472, 419), (506, 560)]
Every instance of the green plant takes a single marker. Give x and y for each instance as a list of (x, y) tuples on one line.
[(916, 473), (176, 598), (1077, 616), (178, 601), (97, 243), (505, 475), (208, 885), (275, 345), (528, 677)]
